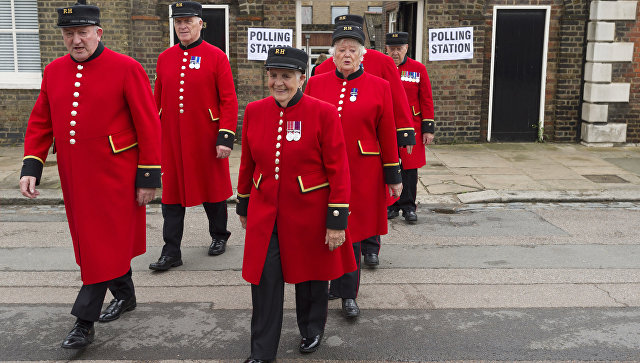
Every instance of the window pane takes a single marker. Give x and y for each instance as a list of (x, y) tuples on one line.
[(307, 15), (337, 11), (5, 14), (28, 52), (375, 9), (26, 14), (6, 53)]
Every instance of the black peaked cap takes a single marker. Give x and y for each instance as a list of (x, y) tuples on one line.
[(287, 58), (79, 14), (183, 9)]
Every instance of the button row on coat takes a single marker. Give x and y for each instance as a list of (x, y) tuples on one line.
[(341, 101), (184, 60), (278, 138), (75, 104)]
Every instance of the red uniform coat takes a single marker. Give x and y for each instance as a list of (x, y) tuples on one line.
[(418, 88), (381, 65), (369, 133), (198, 111), (106, 128), (298, 184)]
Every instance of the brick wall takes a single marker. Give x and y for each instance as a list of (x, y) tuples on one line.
[(461, 88), (629, 113)]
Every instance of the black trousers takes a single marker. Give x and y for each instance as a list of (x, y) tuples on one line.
[(268, 299), (407, 199), (347, 285), (173, 226), (90, 297), (371, 245)]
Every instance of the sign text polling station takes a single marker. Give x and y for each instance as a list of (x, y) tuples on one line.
[(450, 44), (261, 39)]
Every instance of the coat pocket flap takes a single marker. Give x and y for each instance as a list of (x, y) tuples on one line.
[(369, 147), (214, 114), (313, 181), (257, 178), (123, 140), (413, 108)]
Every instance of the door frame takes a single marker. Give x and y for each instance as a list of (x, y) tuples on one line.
[(226, 19), (419, 24), (545, 49)]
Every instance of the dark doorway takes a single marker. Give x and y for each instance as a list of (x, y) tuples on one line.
[(517, 74), (407, 19), (214, 28)]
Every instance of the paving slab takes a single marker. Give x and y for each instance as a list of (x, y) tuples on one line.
[(195, 331)]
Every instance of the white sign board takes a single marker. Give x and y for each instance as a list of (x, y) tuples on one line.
[(261, 39), (450, 44)]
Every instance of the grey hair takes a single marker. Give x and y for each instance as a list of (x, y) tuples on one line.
[(361, 49)]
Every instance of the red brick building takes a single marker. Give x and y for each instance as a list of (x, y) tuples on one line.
[(557, 70)]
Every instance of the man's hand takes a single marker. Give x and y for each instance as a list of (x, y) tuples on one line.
[(409, 148), (334, 238), (243, 221), (145, 195), (28, 186), (396, 190), (427, 138), (223, 151)]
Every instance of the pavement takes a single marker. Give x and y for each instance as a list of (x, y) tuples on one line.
[(454, 174), (479, 277)]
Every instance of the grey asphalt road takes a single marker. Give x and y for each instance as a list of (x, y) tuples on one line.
[(481, 282)]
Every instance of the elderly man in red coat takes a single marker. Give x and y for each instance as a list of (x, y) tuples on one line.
[(380, 65), (198, 110), (418, 88), (98, 106)]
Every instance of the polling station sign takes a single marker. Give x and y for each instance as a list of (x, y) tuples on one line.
[(450, 44), (261, 39)]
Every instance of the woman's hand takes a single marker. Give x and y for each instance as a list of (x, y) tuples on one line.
[(396, 190), (243, 221), (335, 238)]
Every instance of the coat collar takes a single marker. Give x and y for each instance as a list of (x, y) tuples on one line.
[(353, 75), (95, 54), (293, 101), (192, 45)]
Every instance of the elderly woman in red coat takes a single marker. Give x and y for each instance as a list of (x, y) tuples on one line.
[(293, 195), (364, 105)]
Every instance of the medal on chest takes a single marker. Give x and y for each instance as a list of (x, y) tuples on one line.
[(294, 130), (195, 62), (413, 77), (354, 95)]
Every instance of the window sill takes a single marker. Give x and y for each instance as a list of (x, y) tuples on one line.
[(12, 80)]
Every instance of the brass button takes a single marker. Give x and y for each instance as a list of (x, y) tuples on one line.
[(146, 175), (406, 134), (277, 177), (226, 136), (336, 213)]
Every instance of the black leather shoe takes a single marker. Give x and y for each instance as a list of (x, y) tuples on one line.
[(166, 262), (79, 337), (410, 216), (333, 297), (310, 345), (350, 308), (392, 213), (116, 308), (218, 246), (371, 259), (251, 360)]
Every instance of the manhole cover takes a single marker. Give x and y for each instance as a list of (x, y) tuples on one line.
[(605, 178)]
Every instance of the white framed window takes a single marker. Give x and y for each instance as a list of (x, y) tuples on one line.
[(20, 65), (374, 9), (307, 14), (392, 21), (337, 11)]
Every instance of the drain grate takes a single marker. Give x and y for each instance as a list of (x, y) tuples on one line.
[(605, 178)]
